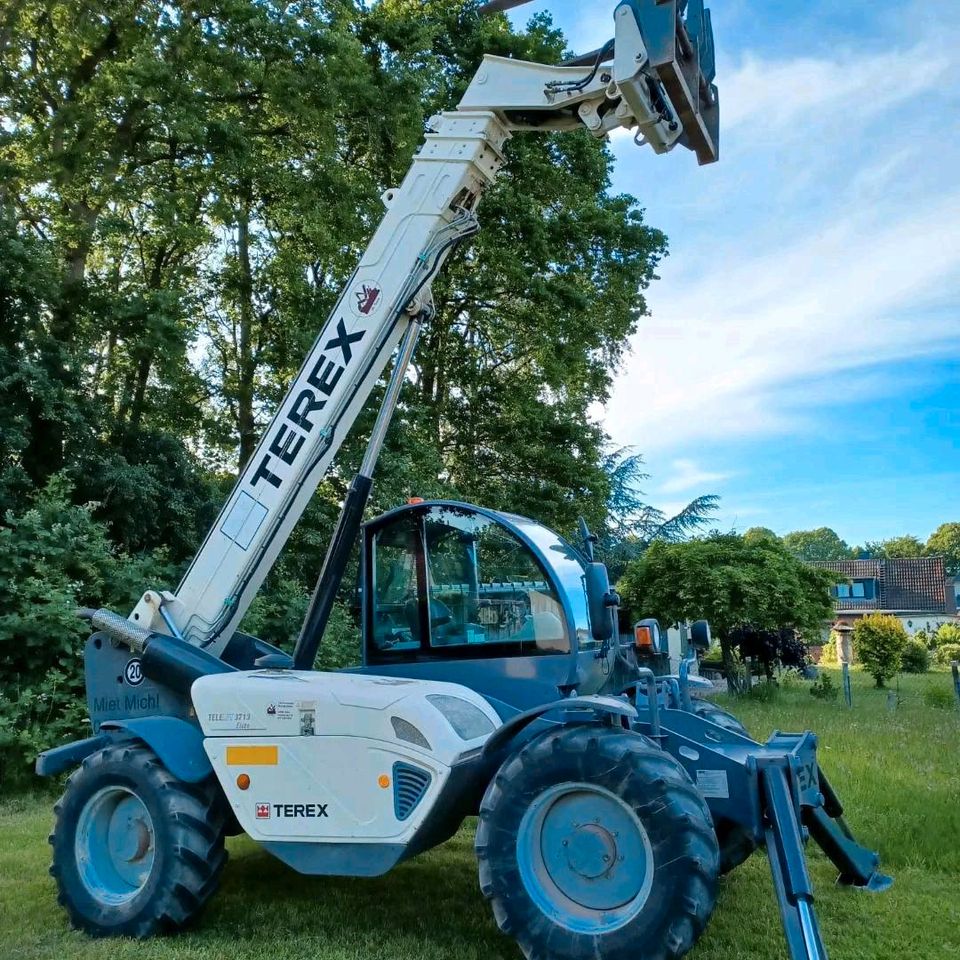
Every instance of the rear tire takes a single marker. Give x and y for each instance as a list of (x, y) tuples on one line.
[(736, 843), (713, 713), (135, 851), (593, 843)]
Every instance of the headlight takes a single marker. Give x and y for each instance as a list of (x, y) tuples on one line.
[(467, 720)]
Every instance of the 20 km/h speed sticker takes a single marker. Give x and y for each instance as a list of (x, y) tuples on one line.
[(133, 672)]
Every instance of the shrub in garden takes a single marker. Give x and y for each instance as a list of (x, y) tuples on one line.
[(947, 635), (823, 688), (769, 648), (828, 656), (915, 657), (879, 640), (942, 698), (54, 557), (947, 652)]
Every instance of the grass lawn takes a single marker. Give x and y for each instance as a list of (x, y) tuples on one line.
[(898, 774)]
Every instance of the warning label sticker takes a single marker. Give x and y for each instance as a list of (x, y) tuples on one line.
[(713, 783)]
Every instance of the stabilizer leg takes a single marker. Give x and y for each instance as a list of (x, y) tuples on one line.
[(857, 865), (788, 867)]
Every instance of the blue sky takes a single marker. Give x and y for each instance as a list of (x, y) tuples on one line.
[(805, 332)]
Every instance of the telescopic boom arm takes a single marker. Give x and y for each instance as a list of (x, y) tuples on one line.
[(659, 84)]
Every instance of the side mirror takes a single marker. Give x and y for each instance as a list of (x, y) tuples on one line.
[(700, 635), (601, 600)]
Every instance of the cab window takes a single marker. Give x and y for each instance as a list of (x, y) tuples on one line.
[(479, 591)]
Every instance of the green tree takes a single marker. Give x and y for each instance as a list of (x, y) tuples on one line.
[(907, 546), (879, 641), (820, 544), (631, 523), (945, 542), (535, 313), (184, 190), (760, 535), (732, 584)]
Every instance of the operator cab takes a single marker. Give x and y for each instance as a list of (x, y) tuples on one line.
[(448, 587)]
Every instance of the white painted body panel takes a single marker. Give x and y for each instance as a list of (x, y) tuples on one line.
[(339, 764)]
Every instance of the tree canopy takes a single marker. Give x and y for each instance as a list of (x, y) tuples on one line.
[(820, 544), (184, 193), (732, 582), (895, 548), (945, 542)]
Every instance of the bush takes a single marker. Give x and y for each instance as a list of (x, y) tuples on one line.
[(770, 648), (941, 698), (879, 640), (828, 656), (915, 658), (54, 557), (948, 634), (944, 654), (823, 688)]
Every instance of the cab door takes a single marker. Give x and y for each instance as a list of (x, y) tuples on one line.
[(453, 594)]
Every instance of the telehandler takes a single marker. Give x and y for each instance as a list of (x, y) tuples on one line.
[(493, 682)]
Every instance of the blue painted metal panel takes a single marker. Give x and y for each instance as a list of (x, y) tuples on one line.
[(576, 709), (52, 762), (178, 744), (337, 859)]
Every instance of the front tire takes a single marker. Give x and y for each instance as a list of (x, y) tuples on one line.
[(135, 851), (593, 843)]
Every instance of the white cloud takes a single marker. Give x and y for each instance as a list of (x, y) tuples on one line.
[(828, 244), (803, 90), (684, 475), (739, 343)]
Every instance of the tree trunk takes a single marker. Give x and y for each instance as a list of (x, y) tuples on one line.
[(139, 392), (246, 365), (731, 668)]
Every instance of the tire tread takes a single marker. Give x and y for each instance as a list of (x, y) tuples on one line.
[(197, 854)]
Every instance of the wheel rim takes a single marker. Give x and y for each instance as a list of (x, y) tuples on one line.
[(585, 857), (115, 845)]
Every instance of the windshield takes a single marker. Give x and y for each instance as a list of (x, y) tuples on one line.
[(568, 568)]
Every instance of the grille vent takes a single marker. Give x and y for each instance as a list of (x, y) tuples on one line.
[(410, 783)]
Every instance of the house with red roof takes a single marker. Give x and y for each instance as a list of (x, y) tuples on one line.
[(916, 590)]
